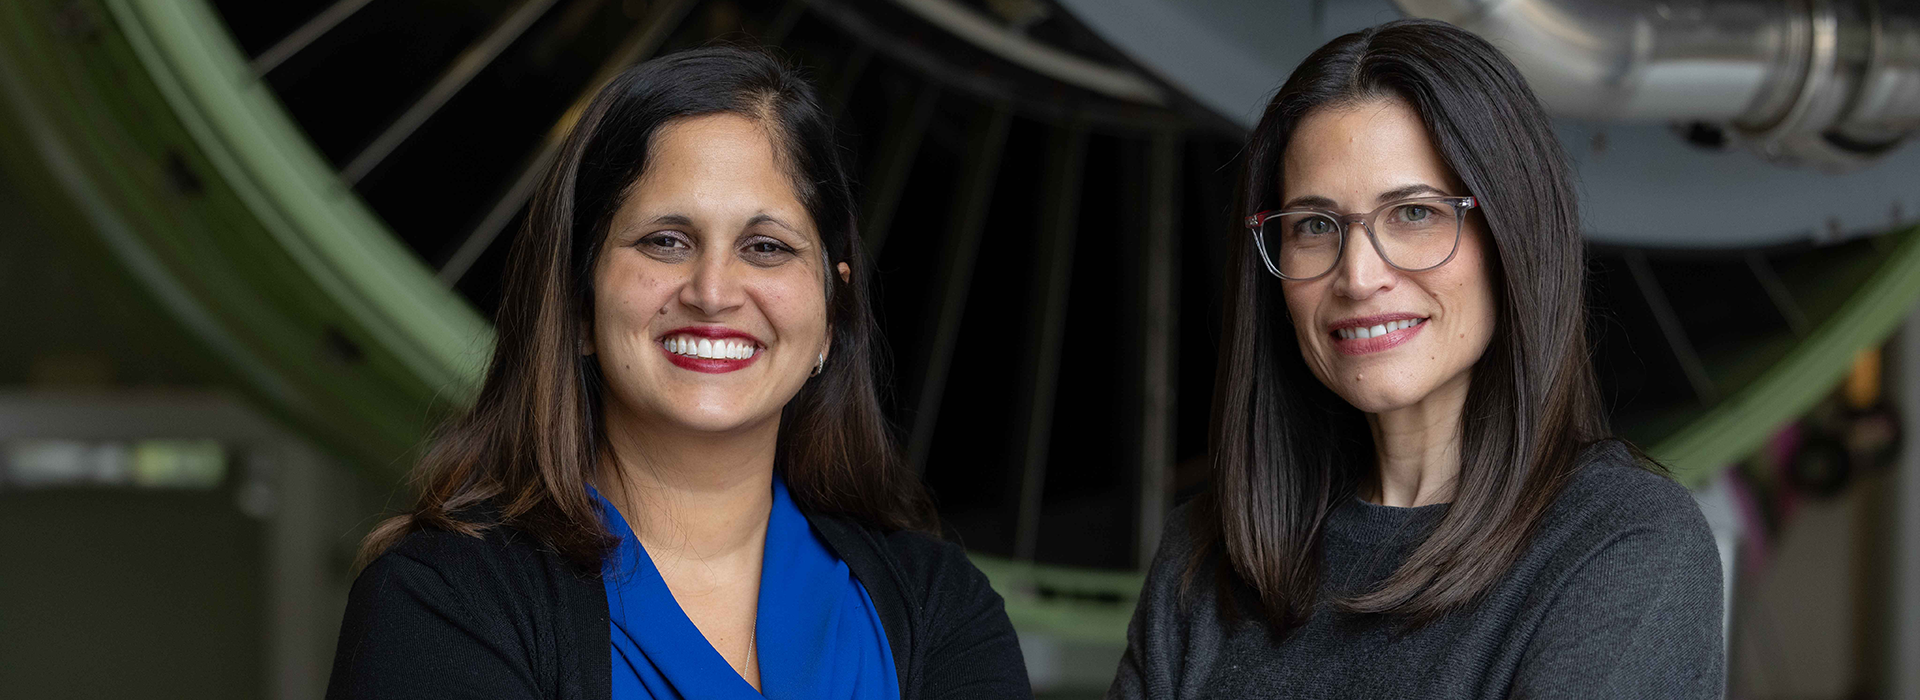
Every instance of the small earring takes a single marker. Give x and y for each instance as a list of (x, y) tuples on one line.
[(819, 365)]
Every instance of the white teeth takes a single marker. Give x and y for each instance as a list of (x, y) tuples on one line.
[(1378, 330), (707, 348)]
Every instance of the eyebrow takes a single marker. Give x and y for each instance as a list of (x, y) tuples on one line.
[(1406, 191), (769, 219), (1314, 201), (684, 220), (671, 220)]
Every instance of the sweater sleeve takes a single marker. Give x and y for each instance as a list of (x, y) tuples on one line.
[(409, 632), (971, 649), (1640, 618)]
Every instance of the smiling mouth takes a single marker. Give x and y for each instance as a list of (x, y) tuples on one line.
[(695, 347), (710, 349), (1376, 330)]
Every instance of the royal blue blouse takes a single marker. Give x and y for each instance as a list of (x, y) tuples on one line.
[(817, 633)]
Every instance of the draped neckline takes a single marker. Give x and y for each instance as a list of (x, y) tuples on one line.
[(817, 634)]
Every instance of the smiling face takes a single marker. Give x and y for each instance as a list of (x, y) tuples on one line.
[(1381, 338), (709, 291)]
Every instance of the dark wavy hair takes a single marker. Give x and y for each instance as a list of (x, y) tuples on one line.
[(1286, 449), (529, 445)]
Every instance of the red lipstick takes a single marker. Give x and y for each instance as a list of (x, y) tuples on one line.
[(726, 349)]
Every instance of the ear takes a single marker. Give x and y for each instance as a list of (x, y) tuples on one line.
[(846, 273)]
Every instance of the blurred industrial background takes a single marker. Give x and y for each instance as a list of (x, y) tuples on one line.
[(248, 250)]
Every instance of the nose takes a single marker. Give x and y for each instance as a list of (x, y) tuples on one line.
[(715, 287), (1362, 273)]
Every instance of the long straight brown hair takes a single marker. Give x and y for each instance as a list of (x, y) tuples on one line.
[(533, 439), (1286, 449)]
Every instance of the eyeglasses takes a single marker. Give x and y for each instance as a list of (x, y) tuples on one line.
[(1414, 234)]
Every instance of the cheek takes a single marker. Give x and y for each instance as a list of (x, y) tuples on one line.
[(627, 294), (1477, 310), (1302, 298), (795, 304)]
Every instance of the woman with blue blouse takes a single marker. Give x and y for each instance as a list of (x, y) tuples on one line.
[(676, 481)]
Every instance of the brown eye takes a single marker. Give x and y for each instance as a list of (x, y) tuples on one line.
[(766, 252), (663, 241)]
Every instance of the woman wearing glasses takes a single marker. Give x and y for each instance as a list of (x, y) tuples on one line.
[(1414, 490), (676, 482)]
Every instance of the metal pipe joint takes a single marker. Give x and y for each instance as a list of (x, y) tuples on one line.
[(1823, 83)]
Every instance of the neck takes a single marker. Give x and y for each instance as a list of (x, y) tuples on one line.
[(689, 494), (1417, 448)]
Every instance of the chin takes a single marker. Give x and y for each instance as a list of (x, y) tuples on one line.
[(695, 412), (711, 421), (1380, 399)]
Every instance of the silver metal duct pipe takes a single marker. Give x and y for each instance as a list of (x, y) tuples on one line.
[(1827, 83)]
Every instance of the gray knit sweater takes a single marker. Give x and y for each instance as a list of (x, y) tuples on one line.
[(1618, 596)]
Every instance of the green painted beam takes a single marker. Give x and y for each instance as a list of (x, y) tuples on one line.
[(127, 122), (1740, 423), (1081, 605), (341, 245)]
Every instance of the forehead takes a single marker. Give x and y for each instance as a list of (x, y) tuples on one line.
[(1350, 153), (725, 146)]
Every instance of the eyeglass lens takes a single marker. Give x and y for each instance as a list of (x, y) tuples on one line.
[(1413, 236)]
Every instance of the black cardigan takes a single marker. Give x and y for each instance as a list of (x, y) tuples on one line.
[(446, 615)]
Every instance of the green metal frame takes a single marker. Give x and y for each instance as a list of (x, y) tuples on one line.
[(159, 140), (140, 121), (342, 246), (1738, 424)]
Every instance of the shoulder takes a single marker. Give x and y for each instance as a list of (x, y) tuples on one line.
[(923, 554), (497, 561), (948, 627), (1177, 533), (1180, 586), (449, 614), (1174, 555), (915, 563), (1612, 488), (1614, 503), (1629, 589)]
